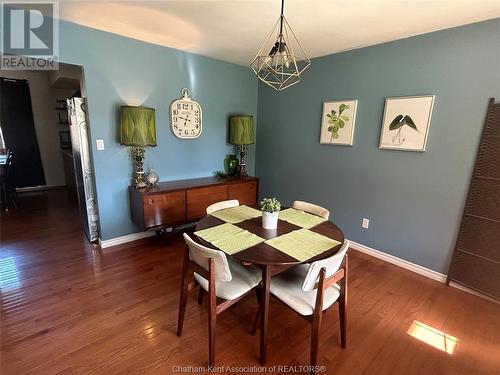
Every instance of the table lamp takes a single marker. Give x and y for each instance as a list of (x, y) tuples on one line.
[(138, 129), (241, 134)]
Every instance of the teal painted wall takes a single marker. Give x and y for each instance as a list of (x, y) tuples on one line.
[(120, 70), (414, 200)]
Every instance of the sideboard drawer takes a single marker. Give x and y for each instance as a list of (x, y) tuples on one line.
[(245, 192), (199, 199), (164, 209)]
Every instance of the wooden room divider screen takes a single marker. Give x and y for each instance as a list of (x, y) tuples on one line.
[(476, 260)]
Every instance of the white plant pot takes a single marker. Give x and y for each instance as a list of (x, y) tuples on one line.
[(270, 220)]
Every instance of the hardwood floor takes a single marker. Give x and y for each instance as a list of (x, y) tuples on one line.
[(68, 307)]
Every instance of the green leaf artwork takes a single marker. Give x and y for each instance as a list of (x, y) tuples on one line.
[(337, 121), (397, 124)]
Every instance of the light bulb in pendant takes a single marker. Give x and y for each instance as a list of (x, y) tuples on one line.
[(284, 54), (285, 59)]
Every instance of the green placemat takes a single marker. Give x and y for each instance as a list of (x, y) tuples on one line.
[(238, 242), (300, 218), (237, 214), (302, 244), (217, 232), (229, 238)]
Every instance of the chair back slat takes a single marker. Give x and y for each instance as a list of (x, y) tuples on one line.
[(338, 276), (201, 254), (312, 209), (222, 205), (331, 264)]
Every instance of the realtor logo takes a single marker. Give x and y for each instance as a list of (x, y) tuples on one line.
[(29, 36)]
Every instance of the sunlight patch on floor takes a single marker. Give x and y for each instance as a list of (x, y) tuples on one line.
[(9, 274), (433, 337)]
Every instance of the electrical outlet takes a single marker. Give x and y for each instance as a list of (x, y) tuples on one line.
[(366, 223), (100, 144)]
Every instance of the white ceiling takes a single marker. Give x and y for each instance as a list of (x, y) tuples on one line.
[(234, 30)]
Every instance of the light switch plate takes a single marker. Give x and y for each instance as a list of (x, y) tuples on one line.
[(100, 144), (366, 223)]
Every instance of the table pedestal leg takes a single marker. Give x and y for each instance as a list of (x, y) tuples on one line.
[(264, 314)]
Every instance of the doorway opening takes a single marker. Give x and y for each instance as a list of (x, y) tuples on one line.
[(46, 165)]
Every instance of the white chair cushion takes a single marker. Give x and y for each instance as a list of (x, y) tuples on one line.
[(244, 279), (287, 287)]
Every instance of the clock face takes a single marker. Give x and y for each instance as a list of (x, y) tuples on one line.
[(186, 118)]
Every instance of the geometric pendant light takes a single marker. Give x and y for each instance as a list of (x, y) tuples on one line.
[(282, 66)]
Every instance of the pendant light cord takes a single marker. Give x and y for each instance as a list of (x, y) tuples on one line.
[(282, 15)]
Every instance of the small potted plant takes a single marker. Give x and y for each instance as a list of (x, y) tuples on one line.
[(270, 211)]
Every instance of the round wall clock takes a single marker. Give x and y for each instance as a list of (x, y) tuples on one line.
[(186, 116)]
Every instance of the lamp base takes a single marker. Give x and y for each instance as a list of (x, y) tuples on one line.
[(242, 167), (139, 180), (138, 153), (242, 170)]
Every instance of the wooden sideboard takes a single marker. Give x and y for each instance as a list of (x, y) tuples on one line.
[(174, 203)]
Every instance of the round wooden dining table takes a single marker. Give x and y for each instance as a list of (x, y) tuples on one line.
[(270, 260)]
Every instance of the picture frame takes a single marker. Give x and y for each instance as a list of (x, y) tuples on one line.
[(338, 121), (406, 123), (65, 140)]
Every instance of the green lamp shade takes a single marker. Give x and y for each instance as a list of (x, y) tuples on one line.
[(137, 126), (241, 130)]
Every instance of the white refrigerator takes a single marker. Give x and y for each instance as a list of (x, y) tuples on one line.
[(84, 172)]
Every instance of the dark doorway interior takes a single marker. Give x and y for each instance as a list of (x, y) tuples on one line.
[(18, 129)]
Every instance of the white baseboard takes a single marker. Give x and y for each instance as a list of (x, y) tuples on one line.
[(399, 262), (124, 239), (415, 268)]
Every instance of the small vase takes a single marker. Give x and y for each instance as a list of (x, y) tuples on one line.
[(270, 220), (231, 165)]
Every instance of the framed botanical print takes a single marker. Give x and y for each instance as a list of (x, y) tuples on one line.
[(406, 123), (337, 122)]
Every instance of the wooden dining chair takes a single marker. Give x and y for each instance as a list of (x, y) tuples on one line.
[(218, 275), (310, 289), (312, 208), (222, 205)]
